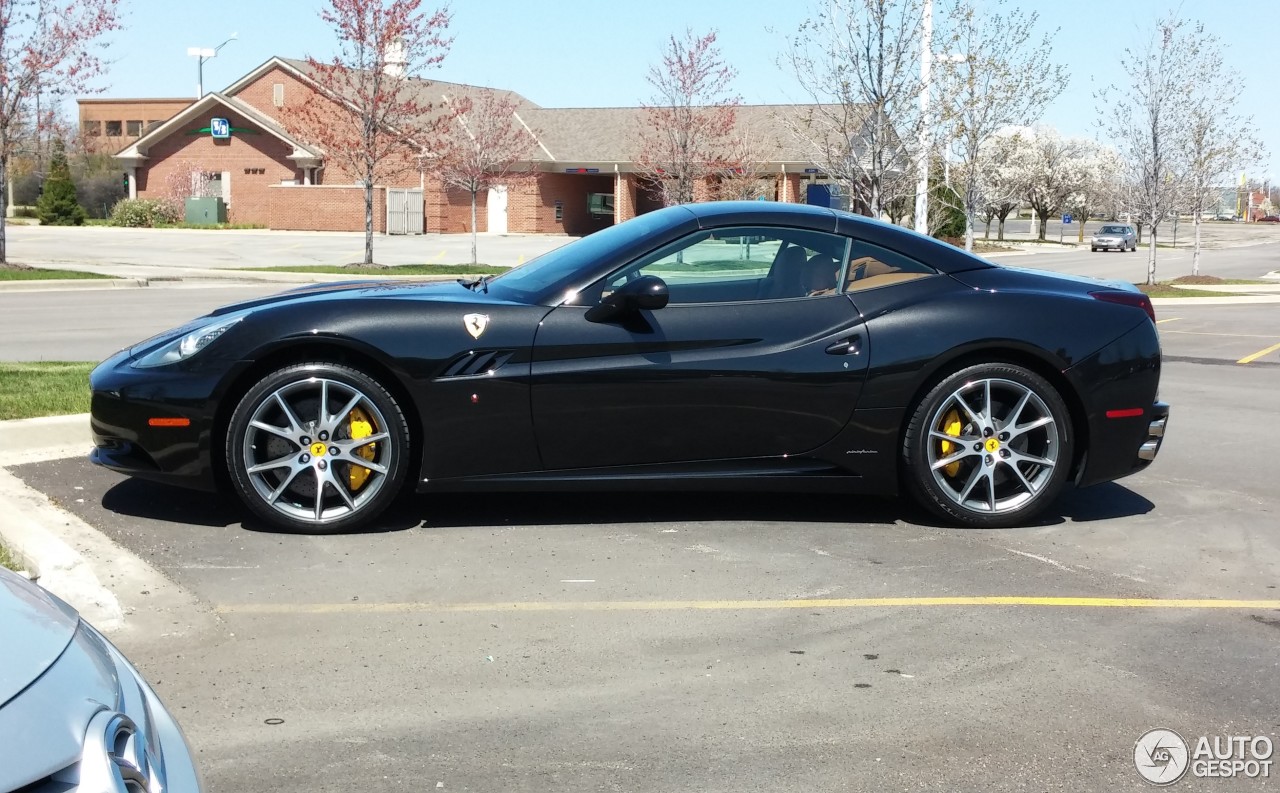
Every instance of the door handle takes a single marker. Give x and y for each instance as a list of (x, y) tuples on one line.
[(849, 346)]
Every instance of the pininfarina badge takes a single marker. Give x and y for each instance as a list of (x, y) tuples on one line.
[(476, 323)]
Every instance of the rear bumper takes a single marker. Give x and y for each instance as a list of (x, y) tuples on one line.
[(1155, 433)]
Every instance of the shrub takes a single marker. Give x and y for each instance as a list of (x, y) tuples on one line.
[(58, 205), (145, 213)]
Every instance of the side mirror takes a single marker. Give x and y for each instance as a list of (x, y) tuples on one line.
[(648, 293)]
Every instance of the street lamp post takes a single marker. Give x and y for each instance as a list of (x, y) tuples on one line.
[(202, 54)]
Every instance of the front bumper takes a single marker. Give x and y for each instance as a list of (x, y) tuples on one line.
[(124, 405), (91, 723)]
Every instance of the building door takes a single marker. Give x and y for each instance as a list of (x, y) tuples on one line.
[(498, 210), (404, 211)]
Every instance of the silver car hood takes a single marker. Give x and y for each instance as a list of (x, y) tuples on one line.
[(35, 628)]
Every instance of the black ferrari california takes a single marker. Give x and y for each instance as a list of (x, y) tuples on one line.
[(715, 346)]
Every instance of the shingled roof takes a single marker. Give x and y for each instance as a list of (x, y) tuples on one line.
[(573, 136), (433, 92), (611, 134)]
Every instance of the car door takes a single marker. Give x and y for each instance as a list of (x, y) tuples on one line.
[(747, 359)]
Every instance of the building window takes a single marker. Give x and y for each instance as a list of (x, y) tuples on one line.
[(133, 128), (114, 129), (91, 128), (277, 94)]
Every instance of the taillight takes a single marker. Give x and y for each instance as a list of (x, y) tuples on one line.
[(1135, 299)]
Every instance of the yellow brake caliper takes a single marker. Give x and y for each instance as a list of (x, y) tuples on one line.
[(951, 426), (361, 427)]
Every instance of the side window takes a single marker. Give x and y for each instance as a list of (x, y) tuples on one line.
[(871, 266), (741, 264)]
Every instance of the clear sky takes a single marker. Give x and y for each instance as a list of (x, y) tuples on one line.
[(592, 53)]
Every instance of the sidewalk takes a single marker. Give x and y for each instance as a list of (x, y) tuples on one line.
[(27, 517)]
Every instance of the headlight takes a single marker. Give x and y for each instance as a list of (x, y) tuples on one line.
[(187, 345)]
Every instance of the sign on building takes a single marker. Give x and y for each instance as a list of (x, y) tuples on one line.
[(220, 128)]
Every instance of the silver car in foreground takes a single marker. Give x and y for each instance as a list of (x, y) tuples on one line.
[(1114, 235), (75, 716)]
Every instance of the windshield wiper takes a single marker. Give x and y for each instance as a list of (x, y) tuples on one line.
[(481, 281)]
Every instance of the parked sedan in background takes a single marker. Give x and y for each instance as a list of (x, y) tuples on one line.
[(733, 345), (1269, 219), (1114, 236), (75, 715)]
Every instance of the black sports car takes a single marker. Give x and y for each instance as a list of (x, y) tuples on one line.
[(714, 346)]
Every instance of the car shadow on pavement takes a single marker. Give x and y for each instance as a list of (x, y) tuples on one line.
[(138, 498), (1101, 502), (536, 509), (141, 499)]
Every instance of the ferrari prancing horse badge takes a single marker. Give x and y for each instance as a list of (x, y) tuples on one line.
[(476, 323)]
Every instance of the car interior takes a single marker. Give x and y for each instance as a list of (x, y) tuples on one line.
[(743, 265)]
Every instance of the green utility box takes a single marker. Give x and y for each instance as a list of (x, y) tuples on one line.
[(206, 211)]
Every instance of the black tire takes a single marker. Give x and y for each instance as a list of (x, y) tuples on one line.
[(281, 473), (1021, 474), (1093, 250)]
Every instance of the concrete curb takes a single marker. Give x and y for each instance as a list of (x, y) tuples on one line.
[(148, 275), (63, 284), (26, 528), (55, 564), (74, 560), (1215, 301), (31, 436)]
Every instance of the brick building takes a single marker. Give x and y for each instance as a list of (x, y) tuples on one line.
[(111, 124), (235, 145)]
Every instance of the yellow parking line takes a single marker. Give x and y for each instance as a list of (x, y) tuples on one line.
[(1259, 354), (1170, 319), (1223, 335), (742, 605)]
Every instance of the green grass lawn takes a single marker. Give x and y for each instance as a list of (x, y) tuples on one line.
[(714, 265), (10, 273), (399, 269), (44, 388), (1165, 290), (8, 560), (1213, 279)]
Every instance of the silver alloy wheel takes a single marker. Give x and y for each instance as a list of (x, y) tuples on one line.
[(301, 458), (1002, 453)]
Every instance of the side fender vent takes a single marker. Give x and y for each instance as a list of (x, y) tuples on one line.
[(476, 363)]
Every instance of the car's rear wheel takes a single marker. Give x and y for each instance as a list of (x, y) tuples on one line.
[(317, 447), (989, 446)]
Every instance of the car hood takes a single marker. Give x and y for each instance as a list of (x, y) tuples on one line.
[(437, 291), (36, 627)]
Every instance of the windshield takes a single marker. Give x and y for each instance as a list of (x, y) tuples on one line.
[(556, 270), (1114, 230)]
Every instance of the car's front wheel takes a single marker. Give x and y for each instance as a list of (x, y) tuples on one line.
[(989, 446), (317, 447)]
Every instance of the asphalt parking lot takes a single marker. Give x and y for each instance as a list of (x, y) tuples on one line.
[(714, 642), (1241, 335), (614, 642)]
